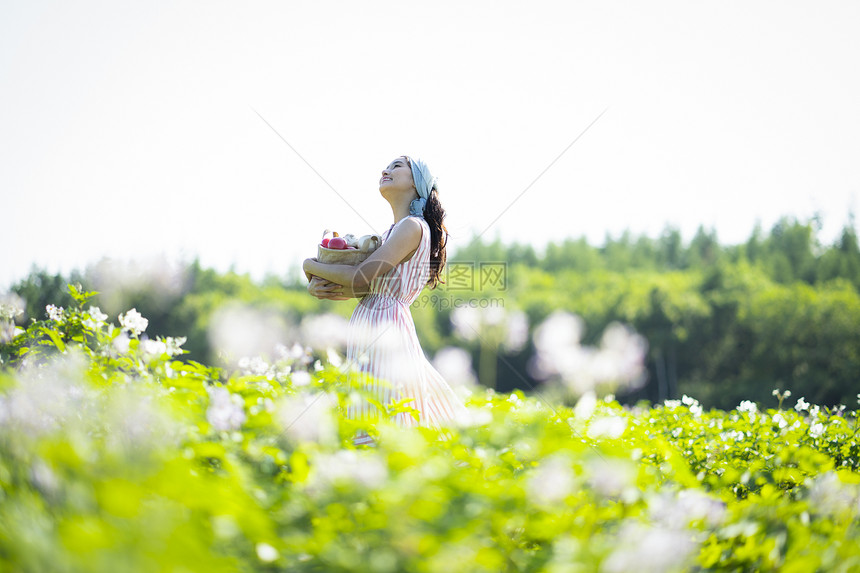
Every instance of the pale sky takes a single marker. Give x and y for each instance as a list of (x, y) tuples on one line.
[(128, 129)]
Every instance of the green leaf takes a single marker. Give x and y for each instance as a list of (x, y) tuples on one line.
[(55, 338)]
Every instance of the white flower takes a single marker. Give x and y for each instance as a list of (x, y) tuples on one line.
[(174, 345), (747, 406), (467, 322), (618, 361), (48, 398), (829, 496), (96, 314), (324, 331), (266, 553), (471, 416), (334, 358), (44, 477), (237, 331), (517, 331), (255, 366), (559, 331), (8, 331), (626, 350), (732, 436), (293, 353), (226, 410), (136, 419), (455, 366), (133, 322), (801, 404), (308, 417), (11, 306), (611, 477), (94, 317), (363, 468), (779, 420), (153, 348), (816, 430), (693, 405), (813, 411), (161, 346), (300, 378), (493, 316), (611, 427), (585, 406), (54, 313), (493, 325), (121, 343), (551, 482), (648, 550), (677, 511)]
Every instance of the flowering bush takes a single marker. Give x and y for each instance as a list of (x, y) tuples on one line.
[(117, 455)]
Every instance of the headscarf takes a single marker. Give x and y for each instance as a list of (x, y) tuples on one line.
[(424, 184)]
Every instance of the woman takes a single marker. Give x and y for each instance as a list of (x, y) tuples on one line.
[(382, 341)]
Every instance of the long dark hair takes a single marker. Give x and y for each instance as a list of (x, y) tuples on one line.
[(434, 214)]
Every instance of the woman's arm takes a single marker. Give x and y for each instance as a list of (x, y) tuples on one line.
[(399, 247)]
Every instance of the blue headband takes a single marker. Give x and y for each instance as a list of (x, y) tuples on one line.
[(424, 184)]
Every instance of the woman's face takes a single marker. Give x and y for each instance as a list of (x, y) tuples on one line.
[(397, 178)]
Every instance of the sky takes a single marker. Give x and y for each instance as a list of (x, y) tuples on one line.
[(238, 132)]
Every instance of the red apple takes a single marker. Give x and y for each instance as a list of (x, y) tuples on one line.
[(337, 243), (325, 242)]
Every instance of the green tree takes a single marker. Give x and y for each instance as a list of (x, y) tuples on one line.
[(40, 288), (670, 249), (704, 250), (843, 260), (791, 251)]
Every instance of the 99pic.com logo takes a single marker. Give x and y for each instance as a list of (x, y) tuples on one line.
[(458, 280), (475, 276), (446, 302), (463, 277)]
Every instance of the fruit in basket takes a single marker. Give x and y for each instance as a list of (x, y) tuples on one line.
[(368, 243), (347, 249), (350, 240)]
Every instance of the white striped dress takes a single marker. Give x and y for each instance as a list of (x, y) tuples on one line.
[(382, 343)]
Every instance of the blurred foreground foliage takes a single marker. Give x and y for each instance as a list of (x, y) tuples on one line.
[(723, 323), (117, 453)]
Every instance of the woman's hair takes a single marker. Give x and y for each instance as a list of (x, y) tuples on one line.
[(434, 214)]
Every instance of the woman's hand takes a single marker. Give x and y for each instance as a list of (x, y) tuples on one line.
[(326, 290)]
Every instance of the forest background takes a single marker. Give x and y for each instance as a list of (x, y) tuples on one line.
[(723, 323)]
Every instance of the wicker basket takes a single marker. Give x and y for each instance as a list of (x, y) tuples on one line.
[(367, 244)]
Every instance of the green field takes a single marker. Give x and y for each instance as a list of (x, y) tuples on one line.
[(116, 454)]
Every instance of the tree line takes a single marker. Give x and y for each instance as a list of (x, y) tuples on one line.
[(724, 323)]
